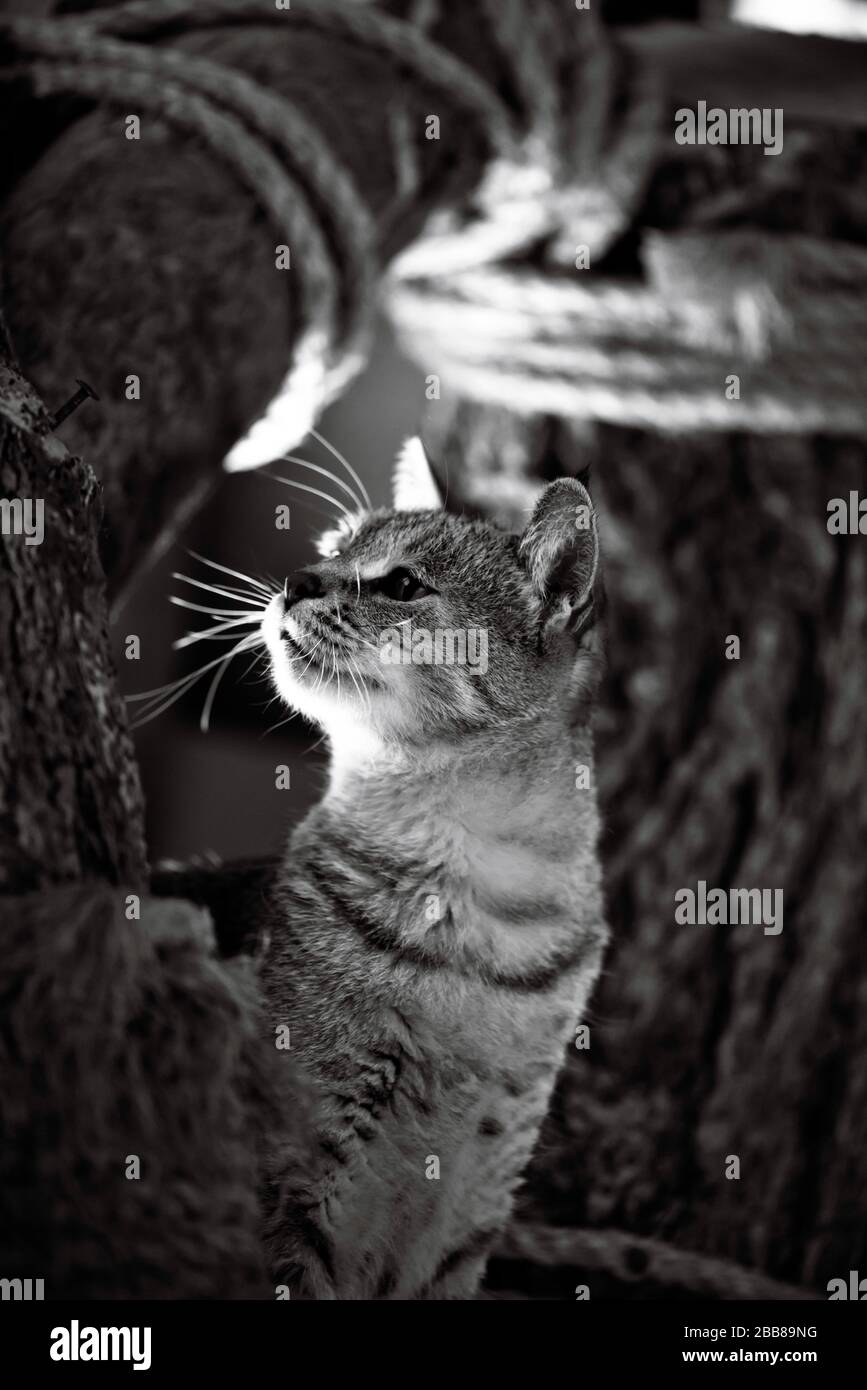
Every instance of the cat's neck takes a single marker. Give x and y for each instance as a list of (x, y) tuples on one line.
[(522, 771)]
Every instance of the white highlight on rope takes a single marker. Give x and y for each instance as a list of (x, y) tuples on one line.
[(846, 19), (288, 419)]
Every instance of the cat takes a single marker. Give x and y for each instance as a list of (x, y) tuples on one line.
[(439, 919)]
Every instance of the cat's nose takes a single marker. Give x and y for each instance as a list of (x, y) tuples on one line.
[(302, 584)]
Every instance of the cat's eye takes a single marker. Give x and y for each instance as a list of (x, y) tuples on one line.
[(403, 585)]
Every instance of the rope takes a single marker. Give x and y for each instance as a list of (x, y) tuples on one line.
[(550, 174), (412, 52), (782, 314), (657, 352), (276, 153), (270, 146), (295, 175)]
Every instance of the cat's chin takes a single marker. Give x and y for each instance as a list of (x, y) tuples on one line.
[(354, 743), (281, 659), (362, 729), (299, 683)]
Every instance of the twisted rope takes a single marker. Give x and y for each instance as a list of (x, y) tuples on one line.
[(412, 51), (551, 171), (295, 175), (656, 352), (273, 149), (783, 314)]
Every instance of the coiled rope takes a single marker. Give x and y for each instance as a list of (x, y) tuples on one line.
[(778, 345), (546, 170), (271, 147), (723, 331)]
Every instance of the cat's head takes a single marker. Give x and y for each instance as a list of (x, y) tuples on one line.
[(417, 624)]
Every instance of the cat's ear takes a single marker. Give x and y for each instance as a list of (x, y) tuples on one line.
[(415, 489), (560, 548)]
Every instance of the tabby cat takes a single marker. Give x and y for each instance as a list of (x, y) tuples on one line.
[(439, 914)]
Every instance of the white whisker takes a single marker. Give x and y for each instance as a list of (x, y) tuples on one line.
[(172, 694), (348, 466), (279, 724), (163, 697), (257, 657), (349, 664), (243, 646), (220, 592), (217, 612), (311, 656), (236, 574), (320, 678), (364, 690), (212, 633), (255, 596), (171, 685), (326, 473), (302, 487)]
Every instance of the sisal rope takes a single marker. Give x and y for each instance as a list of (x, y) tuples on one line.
[(782, 314), (544, 173), (727, 330)]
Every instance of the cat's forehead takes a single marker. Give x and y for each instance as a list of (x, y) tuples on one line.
[(381, 537)]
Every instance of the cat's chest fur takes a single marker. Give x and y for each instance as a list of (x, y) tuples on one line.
[(441, 926)]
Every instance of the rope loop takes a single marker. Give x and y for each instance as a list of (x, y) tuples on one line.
[(548, 175)]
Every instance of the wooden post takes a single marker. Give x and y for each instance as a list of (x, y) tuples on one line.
[(70, 799)]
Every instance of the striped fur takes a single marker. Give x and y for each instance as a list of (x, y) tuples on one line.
[(440, 911)]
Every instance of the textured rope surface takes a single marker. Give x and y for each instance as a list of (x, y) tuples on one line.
[(247, 129), (411, 50), (290, 168), (782, 314)]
